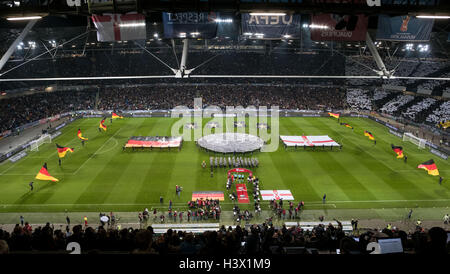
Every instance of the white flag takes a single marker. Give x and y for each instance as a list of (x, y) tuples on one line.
[(120, 27), (276, 195)]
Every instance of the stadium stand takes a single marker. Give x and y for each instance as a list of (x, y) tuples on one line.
[(359, 99), (394, 104), (415, 109), (441, 114)]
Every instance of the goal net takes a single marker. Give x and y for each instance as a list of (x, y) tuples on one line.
[(415, 140), (44, 139)]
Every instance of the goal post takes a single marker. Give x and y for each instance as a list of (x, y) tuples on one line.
[(44, 139), (409, 137)]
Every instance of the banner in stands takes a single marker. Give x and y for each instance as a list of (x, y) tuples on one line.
[(271, 27), (438, 153), (190, 24), (331, 27), (18, 156), (120, 27), (404, 28), (268, 195), (393, 132)]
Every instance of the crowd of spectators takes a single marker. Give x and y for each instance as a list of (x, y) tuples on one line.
[(359, 99), (441, 114), (17, 111), (21, 110), (379, 94), (415, 110), (360, 65), (250, 240), (394, 104), (167, 97)]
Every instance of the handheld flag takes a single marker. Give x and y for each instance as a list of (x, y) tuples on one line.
[(398, 150), (81, 136), (335, 115), (444, 125), (347, 125), (430, 166), (115, 116), (368, 134), (63, 150), (102, 124), (44, 175)]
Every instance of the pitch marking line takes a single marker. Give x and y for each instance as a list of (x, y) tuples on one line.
[(184, 204), (76, 171), (28, 156), (109, 149)]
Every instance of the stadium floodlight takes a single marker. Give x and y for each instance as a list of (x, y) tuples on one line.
[(409, 46), (183, 34), (23, 18), (433, 16), (195, 33), (287, 36), (132, 25), (267, 14), (314, 26), (225, 20), (423, 48), (32, 44), (155, 35), (248, 33)]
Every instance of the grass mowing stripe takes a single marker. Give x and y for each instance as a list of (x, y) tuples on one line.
[(124, 188), (105, 179), (373, 169), (285, 160), (415, 188), (157, 170), (320, 181), (427, 183), (339, 173)]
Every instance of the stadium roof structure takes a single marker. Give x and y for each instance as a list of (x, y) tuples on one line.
[(87, 7), (66, 31)]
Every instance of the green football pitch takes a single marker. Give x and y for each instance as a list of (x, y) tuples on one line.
[(101, 176)]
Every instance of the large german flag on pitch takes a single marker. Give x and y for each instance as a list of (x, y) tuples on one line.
[(368, 134), (81, 136), (335, 115), (430, 166), (102, 124), (347, 125), (398, 150), (116, 116), (44, 175), (63, 150)]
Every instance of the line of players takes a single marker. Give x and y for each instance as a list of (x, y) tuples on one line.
[(233, 162), (240, 179)]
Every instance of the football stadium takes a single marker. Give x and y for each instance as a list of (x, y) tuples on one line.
[(224, 127)]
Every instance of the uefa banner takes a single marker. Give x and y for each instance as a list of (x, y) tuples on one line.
[(331, 27), (190, 24), (271, 26), (404, 28)]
